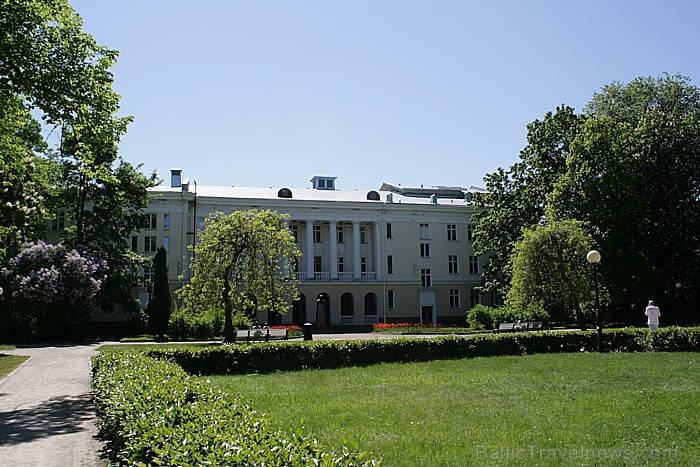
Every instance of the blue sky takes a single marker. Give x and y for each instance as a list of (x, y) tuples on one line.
[(271, 93)]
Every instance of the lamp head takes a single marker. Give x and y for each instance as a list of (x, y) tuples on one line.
[(593, 257)]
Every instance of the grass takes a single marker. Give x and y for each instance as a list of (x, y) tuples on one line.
[(554, 409), (9, 362)]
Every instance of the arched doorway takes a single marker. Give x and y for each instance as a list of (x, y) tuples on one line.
[(370, 308), (299, 311), (323, 310), (347, 309)]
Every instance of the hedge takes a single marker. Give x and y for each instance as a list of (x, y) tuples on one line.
[(292, 356), (152, 413)]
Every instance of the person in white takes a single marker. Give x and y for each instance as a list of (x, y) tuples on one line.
[(653, 313)]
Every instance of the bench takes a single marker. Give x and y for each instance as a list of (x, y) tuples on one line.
[(261, 335), (529, 326)]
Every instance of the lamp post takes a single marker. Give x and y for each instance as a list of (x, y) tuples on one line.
[(593, 257)]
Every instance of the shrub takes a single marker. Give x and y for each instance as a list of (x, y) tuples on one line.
[(292, 356), (153, 413), (480, 317)]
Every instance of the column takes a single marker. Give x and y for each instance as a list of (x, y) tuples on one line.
[(356, 263), (309, 251), (377, 251), (334, 250)]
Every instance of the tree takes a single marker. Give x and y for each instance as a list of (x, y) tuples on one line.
[(22, 188), (49, 292), (243, 262), (634, 174), (629, 168), (57, 70), (549, 268), (160, 301), (518, 198)]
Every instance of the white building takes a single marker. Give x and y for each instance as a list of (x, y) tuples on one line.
[(393, 255)]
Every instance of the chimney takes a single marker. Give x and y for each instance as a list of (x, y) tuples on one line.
[(175, 177)]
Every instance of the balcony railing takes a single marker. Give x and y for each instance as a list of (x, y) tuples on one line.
[(371, 319), (347, 320), (342, 277)]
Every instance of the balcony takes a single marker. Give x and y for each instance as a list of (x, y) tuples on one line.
[(342, 277)]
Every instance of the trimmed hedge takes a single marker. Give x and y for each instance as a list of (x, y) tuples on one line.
[(153, 413), (292, 356)]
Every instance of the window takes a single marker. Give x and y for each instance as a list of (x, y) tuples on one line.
[(363, 234), (322, 183), (470, 232), (318, 263), (454, 298), (390, 299), (474, 299), (473, 265), (294, 230), (340, 234), (424, 232), (451, 232), (317, 234), (150, 244), (388, 230), (390, 264), (166, 221), (151, 221), (329, 183), (166, 244), (341, 264), (453, 264), (200, 223), (363, 264), (134, 243), (425, 250), (148, 276), (425, 280), (58, 222)]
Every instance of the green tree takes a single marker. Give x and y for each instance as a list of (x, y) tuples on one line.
[(22, 183), (634, 174), (160, 302), (518, 198), (549, 268), (243, 262), (59, 71), (628, 167)]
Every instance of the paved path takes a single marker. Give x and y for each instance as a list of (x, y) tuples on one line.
[(46, 413)]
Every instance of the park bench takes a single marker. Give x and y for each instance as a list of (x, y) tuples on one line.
[(529, 326), (261, 335)]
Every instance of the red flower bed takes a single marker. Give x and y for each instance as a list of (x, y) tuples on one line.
[(290, 327), (405, 325)]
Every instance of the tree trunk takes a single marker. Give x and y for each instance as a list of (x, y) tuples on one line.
[(228, 310)]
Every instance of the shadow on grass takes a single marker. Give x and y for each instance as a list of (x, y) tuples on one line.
[(58, 416)]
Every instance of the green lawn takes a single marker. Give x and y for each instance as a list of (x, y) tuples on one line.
[(554, 409), (9, 362)]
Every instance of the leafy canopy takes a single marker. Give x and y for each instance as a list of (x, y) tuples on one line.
[(243, 262)]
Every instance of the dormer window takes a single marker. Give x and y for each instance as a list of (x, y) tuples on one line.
[(323, 183)]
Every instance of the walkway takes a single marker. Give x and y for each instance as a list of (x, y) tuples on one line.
[(46, 413)]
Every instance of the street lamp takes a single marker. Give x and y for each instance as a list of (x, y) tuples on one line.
[(593, 257)]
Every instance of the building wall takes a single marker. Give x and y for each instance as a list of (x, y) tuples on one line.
[(413, 300)]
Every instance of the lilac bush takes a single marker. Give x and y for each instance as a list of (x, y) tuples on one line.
[(50, 290)]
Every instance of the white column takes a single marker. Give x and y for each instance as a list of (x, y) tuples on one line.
[(334, 250), (356, 267), (377, 251), (309, 251)]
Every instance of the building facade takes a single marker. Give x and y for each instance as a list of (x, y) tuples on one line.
[(392, 255)]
